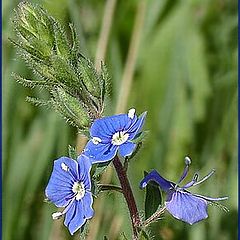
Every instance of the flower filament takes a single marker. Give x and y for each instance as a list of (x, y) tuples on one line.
[(79, 190), (119, 138)]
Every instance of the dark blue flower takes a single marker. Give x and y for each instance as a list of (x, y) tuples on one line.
[(70, 187), (182, 204), (110, 134)]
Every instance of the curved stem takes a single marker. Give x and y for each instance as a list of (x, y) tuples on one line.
[(154, 217), (128, 195)]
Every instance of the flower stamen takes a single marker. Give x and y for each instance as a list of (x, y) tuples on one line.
[(79, 189), (119, 138)]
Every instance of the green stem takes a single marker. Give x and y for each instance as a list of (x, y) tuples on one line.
[(109, 187)]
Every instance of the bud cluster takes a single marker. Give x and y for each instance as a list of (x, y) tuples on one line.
[(77, 90)]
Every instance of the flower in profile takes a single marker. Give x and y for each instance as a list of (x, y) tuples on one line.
[(113, 133), (182, 204), (70, 187)]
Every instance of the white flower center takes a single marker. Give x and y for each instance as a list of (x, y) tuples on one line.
[(78, 187), (119, 138)]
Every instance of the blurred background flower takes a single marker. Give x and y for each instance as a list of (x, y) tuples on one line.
[(175, 59)]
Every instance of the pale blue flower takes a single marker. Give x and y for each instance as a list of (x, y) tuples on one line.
[(70, 187), (113, 133), (182, 204)]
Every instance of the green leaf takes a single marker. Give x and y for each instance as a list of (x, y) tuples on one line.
[(153, 198)]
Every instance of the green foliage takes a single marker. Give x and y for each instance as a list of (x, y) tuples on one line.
[(153, 198), (77, 90)]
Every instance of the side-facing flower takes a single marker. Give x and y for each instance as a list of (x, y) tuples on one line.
[(182, 204), (70, 187), (113, 133)]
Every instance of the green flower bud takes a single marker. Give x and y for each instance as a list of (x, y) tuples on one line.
[(71, 109), (77, 89), (34, 28)]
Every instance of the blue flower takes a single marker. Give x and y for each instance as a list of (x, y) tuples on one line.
[(70, 187), (110, 134), (182, 204)]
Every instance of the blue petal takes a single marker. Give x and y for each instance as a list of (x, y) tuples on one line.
[(85, 165), (164, 184), (87, 205), (59, 196), (186, 207), (78, 219), (59, 188), (105, 127), (70, 214), (126, 149), (137, 126), (100, 152)]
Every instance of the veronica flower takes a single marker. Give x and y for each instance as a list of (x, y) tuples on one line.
[(70, 187), (182, 204), (113, 133)]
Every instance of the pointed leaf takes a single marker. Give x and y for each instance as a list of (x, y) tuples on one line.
[(153, 198)]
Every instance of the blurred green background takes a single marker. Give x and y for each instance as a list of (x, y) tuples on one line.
[(185, 77)]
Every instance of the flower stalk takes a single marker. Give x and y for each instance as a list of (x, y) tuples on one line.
[(128, 195)]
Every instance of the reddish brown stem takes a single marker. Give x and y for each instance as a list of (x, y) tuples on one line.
[(128, 194)]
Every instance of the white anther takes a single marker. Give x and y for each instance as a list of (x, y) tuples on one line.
[(56, 215), (187, 160), (131, 113), (119, 138), (96, 140), (64, 167), (79, 189)]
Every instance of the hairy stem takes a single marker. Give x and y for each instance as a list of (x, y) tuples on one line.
[(101, 51), (128, 195), (154, 217)]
